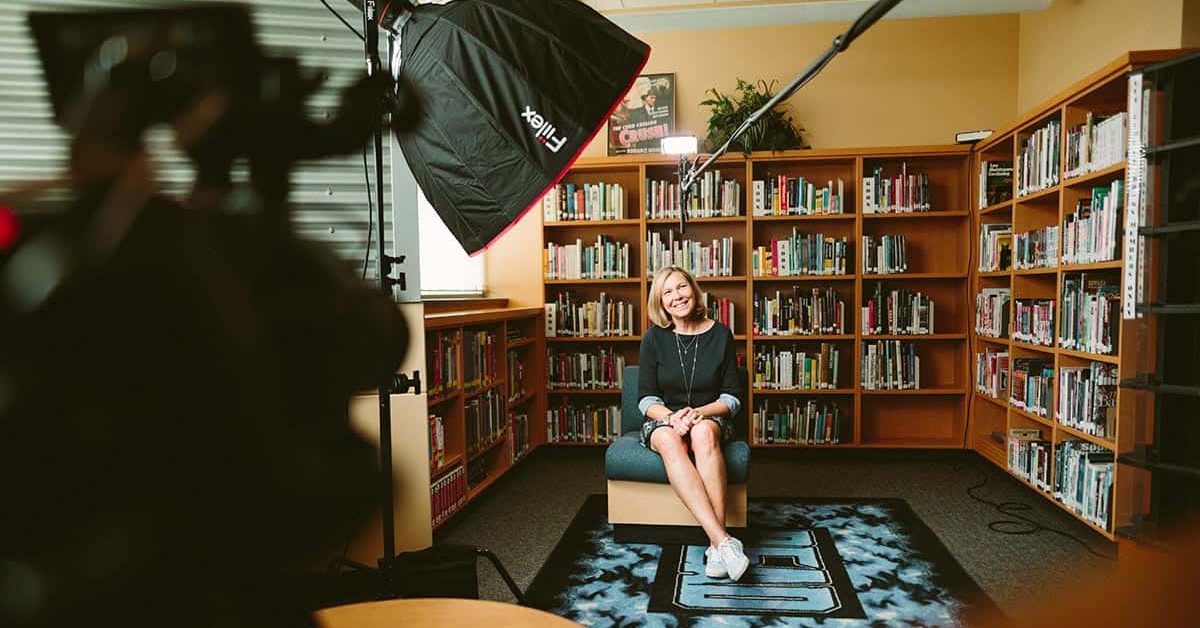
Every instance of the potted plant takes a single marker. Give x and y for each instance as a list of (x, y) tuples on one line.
[(774, 131)]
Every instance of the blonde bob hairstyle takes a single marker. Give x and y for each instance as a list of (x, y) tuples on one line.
[(654, 307)]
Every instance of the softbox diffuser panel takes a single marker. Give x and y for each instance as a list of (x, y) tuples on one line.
[(513, 90)]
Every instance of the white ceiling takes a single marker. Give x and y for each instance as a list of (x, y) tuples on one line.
[(662, 15)]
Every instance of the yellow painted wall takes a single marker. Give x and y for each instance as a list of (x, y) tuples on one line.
[(905, 82), (1066, 42), (1190, 37)]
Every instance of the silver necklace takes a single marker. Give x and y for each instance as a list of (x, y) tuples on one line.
[(679, 347)]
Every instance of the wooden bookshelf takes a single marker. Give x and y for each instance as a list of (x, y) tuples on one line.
[(1103, 92), (937, 254), (510, 385)]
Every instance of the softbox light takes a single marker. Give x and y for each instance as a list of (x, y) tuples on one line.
[(513, 90)]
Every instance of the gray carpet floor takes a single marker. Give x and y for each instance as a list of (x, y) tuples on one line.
[(522, 516)]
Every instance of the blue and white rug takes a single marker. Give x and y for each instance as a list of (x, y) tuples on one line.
[(839, 562)]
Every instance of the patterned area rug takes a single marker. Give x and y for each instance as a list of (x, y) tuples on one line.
[(844, 562)]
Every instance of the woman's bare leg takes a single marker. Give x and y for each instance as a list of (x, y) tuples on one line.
[(710, 463), (686, 482)]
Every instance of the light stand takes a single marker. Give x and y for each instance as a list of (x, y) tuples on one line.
[(689, 173)]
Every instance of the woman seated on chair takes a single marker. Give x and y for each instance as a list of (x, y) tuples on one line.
[(687, 386)]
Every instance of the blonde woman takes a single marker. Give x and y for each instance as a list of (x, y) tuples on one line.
[(687, 392)]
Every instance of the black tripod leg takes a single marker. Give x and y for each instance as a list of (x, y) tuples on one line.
[(512, 585)]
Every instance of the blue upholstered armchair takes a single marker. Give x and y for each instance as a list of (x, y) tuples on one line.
[(642, 506)]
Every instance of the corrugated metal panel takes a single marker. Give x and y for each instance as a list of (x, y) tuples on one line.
[(329, 196)]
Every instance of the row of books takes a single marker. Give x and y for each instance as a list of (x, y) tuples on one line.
[(1087, 398), (1090, 231), (991, 372), (904, 192), (587, 201), (1033, 321), (885, 255), (1097, 143), (721, 309), (517, 384), (713, 196), (1029, 457), (890, 365), (1091, 316), (807, 311), (603, 317), (794, 368), (782, 195), (995, 247), (701, 259), (597, 369), (605, 258), (437, 442), (991, 312), (478, 470), (1036, 248), (801, 254), (479, 358), (807, 422), (518, 425), (1039, 158), (441, 362), (448, 494), (484, 420), (1031, 385), (897, 311), (1083, 479), (583, 424), (995, 182)]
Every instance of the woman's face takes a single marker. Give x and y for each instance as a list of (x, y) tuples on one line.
[(677, 297)]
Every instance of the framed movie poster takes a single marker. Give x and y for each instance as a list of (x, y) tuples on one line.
[(644, 116)]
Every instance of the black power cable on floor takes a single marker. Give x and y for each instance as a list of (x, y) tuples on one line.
[(1018, 523)]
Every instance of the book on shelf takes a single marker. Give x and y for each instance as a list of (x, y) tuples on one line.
[(600, 368), (1033, 321), (437, 441), (797, 422), (605, 258), (587, 201), (1097, 143), (991, 372), (1083, 479), (782, 195), (1037, 248), (518, 426), (589, 423), (484, 420), (905, 192), (599, 318), (801, 254), (712, 196), (1091, 318), (1040, 156), (887, 254), (992, 312), (791, 367), (720, 309), (702, 259), (1031, 385), (1087, 398), (890, 365), (995, 246), (1029, 457), (1090, 232), (995, 182), (896, 311), (448, 494), (801, 311)]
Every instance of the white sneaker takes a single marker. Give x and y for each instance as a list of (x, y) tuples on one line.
[(713, 567), (733, 558)]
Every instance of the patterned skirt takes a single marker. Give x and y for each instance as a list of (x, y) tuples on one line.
[(649, 425)]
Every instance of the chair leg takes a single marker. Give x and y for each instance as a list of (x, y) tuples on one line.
[(512, 585)]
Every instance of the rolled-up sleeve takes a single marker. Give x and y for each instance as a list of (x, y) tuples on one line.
[(649, 400), (731, 401)]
